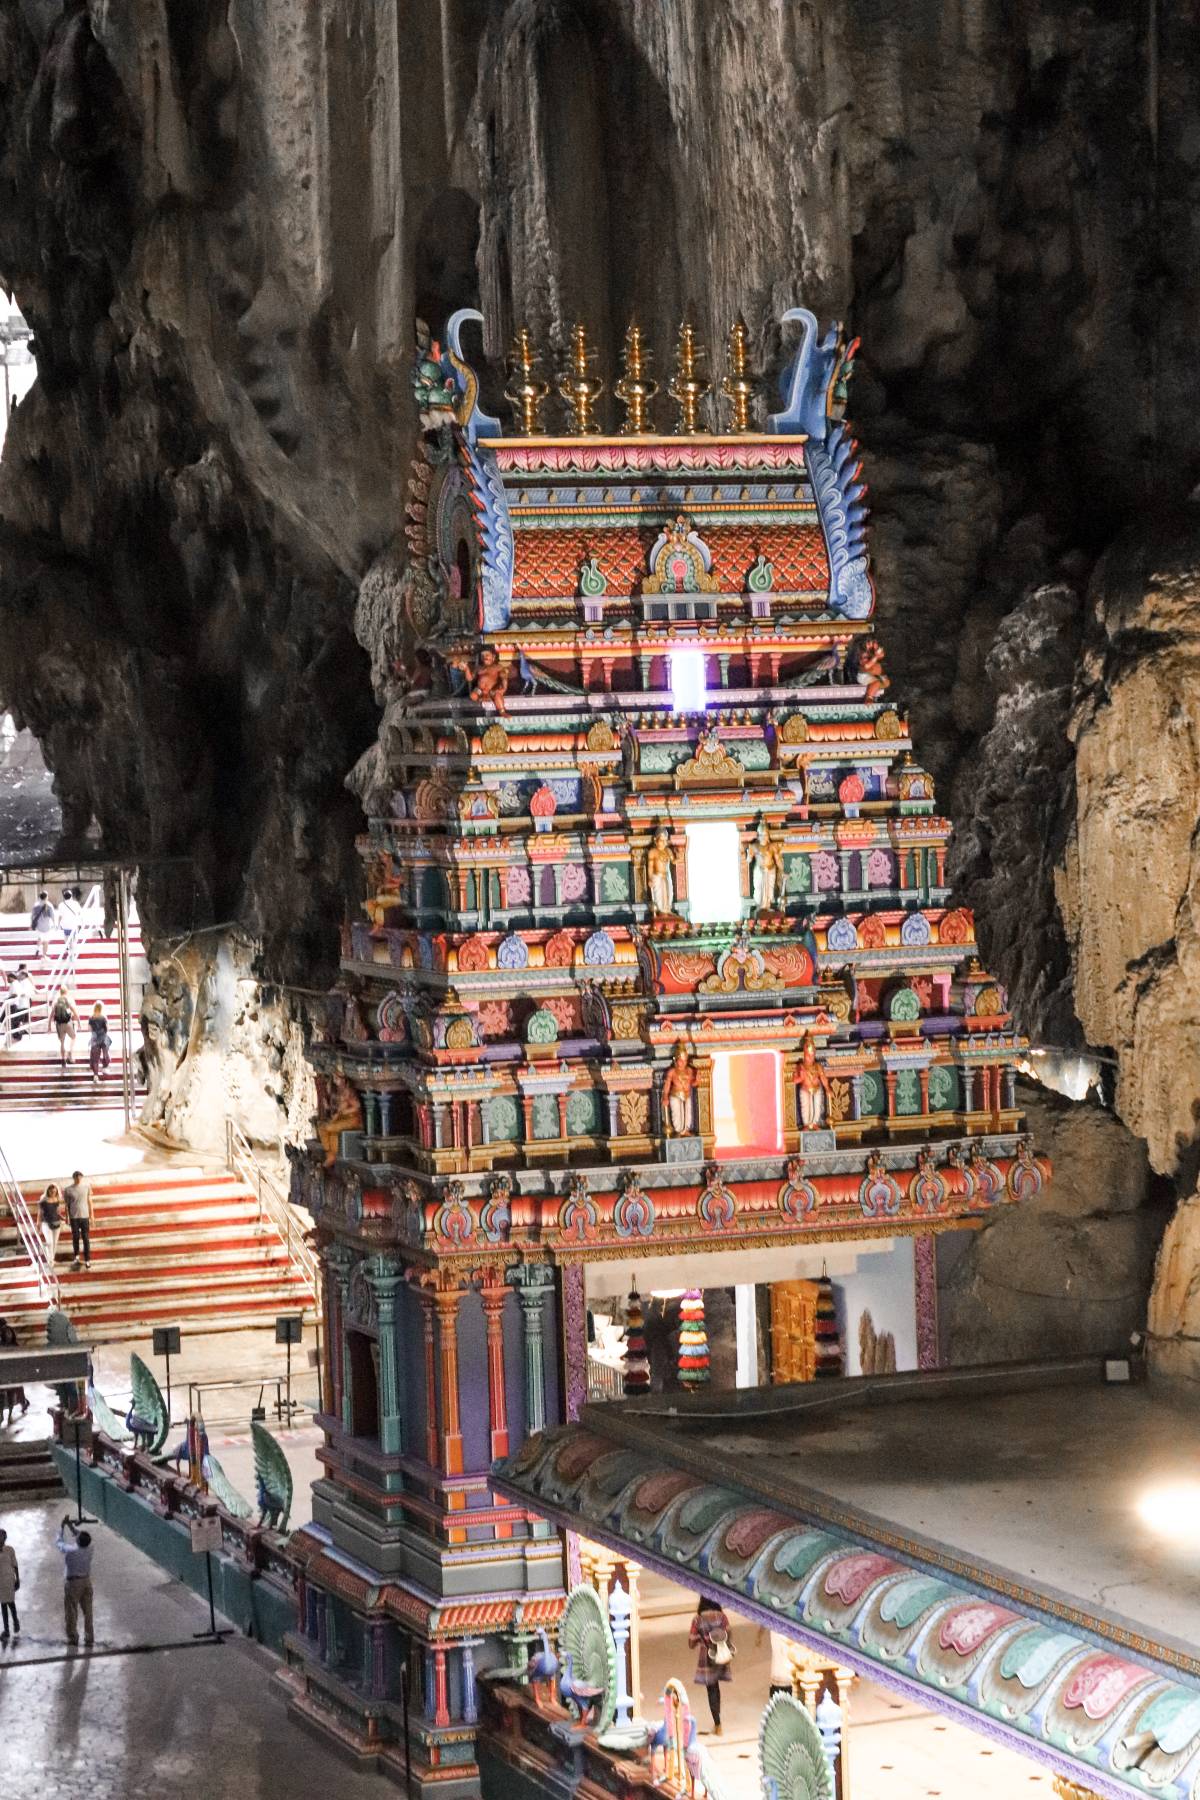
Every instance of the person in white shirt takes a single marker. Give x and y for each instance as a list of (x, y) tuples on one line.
[(69, 914), (41, 923), (20, 1001), (76, 1547)]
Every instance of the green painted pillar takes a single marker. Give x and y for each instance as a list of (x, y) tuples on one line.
[(532, 1282), (384, 1275)]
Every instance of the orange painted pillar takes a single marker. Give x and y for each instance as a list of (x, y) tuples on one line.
[(446, 1306), (493, 1312)]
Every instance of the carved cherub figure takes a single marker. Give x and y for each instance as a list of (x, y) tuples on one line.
[(490, 682), (868, 664)]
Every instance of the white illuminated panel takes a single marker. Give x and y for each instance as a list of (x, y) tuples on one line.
[(689, 693), (714, 872)]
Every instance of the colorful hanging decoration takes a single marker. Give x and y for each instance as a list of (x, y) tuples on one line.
[(637, 1363), (693, 1340), (830, 1357)]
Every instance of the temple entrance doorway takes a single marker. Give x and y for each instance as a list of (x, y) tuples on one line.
[(362, 1354)]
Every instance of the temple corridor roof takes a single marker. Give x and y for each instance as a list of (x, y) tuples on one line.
[(977, 1537)]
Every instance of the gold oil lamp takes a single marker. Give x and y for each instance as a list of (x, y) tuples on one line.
[(636, 390), (737, 386), (525, 392), (688, 387), (579, 387)]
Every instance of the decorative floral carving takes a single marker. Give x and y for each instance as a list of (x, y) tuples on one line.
[(634, 1112), (473, 956), (559, 950)]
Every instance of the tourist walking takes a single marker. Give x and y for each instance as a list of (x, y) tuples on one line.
[(76, 1547), (79, 1211), (70, 915), (41, 923), (66, 1024), (11, 1398), (709, 1636), (50, 1213), (101, 1042), (10, 1581), (20, 1002)]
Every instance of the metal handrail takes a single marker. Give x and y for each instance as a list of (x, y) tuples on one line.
[(273, 1203), (63, 966), (27, 1230)]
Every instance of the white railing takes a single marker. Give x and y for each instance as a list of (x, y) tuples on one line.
[(273, 1204), (29, 1232), (62, 969)]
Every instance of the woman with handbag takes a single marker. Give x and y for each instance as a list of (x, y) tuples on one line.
[(709, 1636), (10, 1581)]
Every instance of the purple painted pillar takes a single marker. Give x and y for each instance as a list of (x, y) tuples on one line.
[(926, 1300)]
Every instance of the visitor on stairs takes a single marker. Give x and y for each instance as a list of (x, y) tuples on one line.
[(50, 1211), (10, 1581), (70, 913), (20, 1000), (79, 1211), (66, 1023), (11, 1398), (101, 1043), (41, 923), (76, 1547)]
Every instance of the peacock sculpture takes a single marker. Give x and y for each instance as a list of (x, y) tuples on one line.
[(791, 1757), (542, 1669), (147, 1417), (588, 1683), (272, 1479), (211, 1472), (104, 1418)]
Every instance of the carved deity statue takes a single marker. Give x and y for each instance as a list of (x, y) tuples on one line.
[(678, 1092), (342, 1111), (766, 865), (660, 872), (812, 1086)]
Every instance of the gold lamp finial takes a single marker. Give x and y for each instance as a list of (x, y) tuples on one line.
[(524, 391), (579, 387), (737, 386), (636, 390), (687, 387)]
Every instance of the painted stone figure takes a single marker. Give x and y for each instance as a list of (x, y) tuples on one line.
[(660, 873), (766, 863), (342, 1112), (678, 1094), (812, 1087)]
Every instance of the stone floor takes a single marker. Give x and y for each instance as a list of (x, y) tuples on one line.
[(117, 1725)]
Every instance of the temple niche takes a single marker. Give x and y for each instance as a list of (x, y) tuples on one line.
[(658, 983)]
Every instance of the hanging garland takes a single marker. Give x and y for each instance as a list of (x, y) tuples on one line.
[(693, 1340), (829, 1357), (637, 1363)]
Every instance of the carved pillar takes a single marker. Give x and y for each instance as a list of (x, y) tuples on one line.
[(446, 1303), (889, 1077), (968, 1087), (532, 1281), (431, 1413), (1010, 1089), (338, 1263), (925, 1300), (373, 1659), (429, 1683), (574, 1338), (494, 1296), (924, 1077), (385, 1114), (385, 1279), (322, 1626), (632, 1572), (441, 1689), (470, 1695)]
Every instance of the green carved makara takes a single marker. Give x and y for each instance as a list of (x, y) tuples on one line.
[(791, 1756)]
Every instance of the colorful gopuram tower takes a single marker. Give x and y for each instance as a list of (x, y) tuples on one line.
[(659, 958)]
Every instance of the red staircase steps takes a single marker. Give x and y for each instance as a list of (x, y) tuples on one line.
[(169, 1246), (30, 1081), (97, 973)]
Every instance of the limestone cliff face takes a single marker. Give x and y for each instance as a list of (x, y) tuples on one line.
[(221, 218)]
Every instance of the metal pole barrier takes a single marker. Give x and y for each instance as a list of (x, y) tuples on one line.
[(126, 1021)]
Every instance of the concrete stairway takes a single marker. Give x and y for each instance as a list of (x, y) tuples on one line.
[(30, 1074), (169, 1247)]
